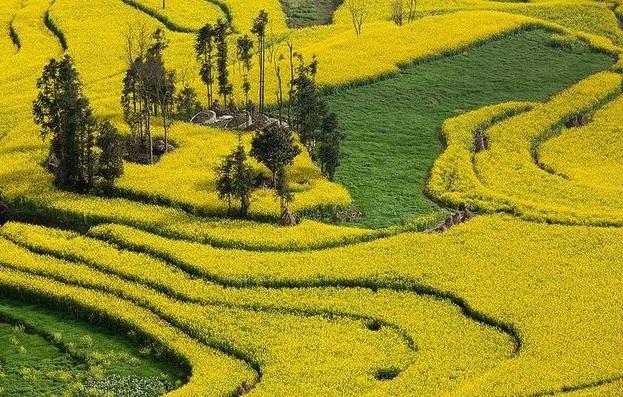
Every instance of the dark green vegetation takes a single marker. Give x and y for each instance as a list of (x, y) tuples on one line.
[(303, 13), (391, 126), (46, 352)]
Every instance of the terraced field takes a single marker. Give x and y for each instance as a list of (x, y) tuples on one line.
[(524, 299)]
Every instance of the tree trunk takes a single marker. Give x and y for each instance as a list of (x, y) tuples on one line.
[(148, 130)]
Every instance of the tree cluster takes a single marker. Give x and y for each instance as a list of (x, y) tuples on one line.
[(83, 149), (148, 87)]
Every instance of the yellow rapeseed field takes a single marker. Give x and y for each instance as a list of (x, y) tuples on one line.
[(526, 303)]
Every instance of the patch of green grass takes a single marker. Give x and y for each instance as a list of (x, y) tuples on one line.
[(392, 125), (303, 13), (43, 352)]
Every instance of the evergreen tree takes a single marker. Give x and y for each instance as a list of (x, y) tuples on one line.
[(187, 104), (274, 147), (111, 157), (222, 31), (244, 48), (282, 189), (64, 112), (259, 29), (329, 149), (225, 180), (308, 108), (204, 47), (242, 180)]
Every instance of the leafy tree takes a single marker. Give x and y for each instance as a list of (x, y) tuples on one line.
[(282, 189), (234, 179), (244, 47), (221, 32), (204, 47), (243, 180), (308, 107), (111, 157), (274, 147), (225, 180), (187, 104), (329, 149), (64, 112), (259, 29), (148, 87)]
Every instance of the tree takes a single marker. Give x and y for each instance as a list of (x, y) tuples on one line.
[(234, 179), (244, 46), (111, 157), (412, 7), (243, 180), (187, 104), (274, 147), (225, 180), (329, 149), (148, 87), (221, 32), (398, 12), (282, 189), (64, 112), (204, 48), (358, 10), (308, 108), (259, 29)]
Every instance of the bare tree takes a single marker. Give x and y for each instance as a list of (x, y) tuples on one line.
[(397, 12), (412, 6), (358, 10)]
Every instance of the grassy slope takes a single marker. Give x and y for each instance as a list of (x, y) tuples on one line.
[(303, 13), (44, 357), (391, 125)]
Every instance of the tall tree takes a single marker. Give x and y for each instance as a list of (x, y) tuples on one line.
[(62, 111), (111, 157), (225, 180), (259, 29), (222, 31), (308, 107), (329, 153), (274, 147), (244, 46), (204, 48), (412, 7), (243, 180)]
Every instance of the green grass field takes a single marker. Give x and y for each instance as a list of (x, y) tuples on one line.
[(48, 353), (392, 125)]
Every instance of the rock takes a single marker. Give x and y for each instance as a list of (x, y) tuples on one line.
[(204, 118), (159, 148), (457, 218), (5, 214), (241, 121), (261, 121)]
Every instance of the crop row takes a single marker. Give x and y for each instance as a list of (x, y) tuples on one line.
[(506, 176)]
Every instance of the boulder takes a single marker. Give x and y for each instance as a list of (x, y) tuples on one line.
[(159, 148), (204, 118), (241, 121)]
